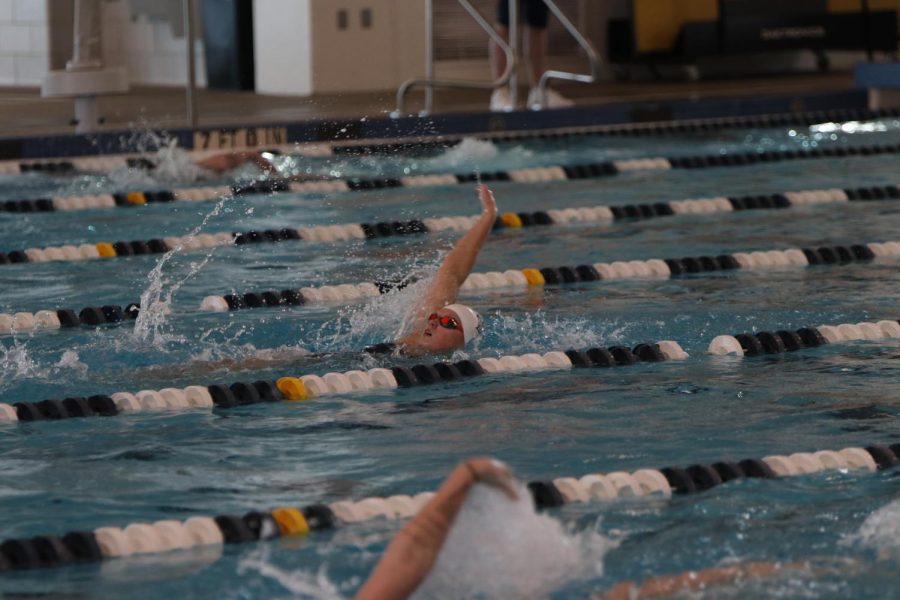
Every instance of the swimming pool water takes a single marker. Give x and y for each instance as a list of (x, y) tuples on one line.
[(78, 474)]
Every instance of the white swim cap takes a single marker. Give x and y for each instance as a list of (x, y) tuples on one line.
[(469, 319)]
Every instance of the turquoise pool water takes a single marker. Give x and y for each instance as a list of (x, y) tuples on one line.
[(81, 474)]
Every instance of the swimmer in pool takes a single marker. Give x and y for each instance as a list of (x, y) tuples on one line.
[(438, 324), (227, 161), (414, 550)]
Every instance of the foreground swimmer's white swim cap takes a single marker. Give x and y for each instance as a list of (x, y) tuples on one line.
[(469, 319)]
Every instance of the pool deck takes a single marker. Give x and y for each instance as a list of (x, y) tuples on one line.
[(24, 112), (31, 126)]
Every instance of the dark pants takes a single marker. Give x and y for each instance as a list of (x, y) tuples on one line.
[(533, 12)]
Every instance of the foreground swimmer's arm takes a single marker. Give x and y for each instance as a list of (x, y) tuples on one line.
[(445, 288), (668, 585), (412, 553)]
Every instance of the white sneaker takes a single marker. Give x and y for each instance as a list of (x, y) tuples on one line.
[(501, 101), (553, 100)]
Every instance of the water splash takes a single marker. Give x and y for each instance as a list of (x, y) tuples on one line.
[(520, 553), (305, 584), (16, 362), (156, 299), (71, 360), (470, 153), (526, 332)]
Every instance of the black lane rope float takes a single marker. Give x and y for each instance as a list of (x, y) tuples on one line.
[(522, 279), (781, 341), (652, 128), (527, 175), (111, 542), (312, 386), (508, 220), (513, 279), (805, 118)]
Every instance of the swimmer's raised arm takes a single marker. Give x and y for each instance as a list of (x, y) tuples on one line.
[(455, 268), (410, 556)]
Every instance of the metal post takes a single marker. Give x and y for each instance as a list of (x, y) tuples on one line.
[(191, 91), (593, 59), (514, 48), (429, 54), (475, 85)]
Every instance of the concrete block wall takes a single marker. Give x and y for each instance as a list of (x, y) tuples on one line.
[(148, 48), (23, 42), (145, 46)]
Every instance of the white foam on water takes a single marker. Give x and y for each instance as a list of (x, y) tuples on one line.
[(71, 360), (503, 549), (172, 164), (470, 152), (880, 532), (528, 332), (303, 584)]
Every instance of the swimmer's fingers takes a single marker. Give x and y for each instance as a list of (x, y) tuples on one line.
[(487, 199), (494, 473)]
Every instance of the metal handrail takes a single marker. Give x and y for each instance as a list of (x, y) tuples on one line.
[(193, 114), (592, 54), (429, 83)]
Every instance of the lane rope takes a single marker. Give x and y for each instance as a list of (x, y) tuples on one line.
[(109, 162), (522, 279), (513, 279), (168, 535), (525, 175), (508, 220), (306, 387)]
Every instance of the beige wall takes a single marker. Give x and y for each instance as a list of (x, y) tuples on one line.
[(377, 58)]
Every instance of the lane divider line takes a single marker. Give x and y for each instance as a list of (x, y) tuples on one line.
[(514, 279), (534, 174), (111, 542), (518, 279), (508, 220), (109, 162), (551, 276), (306, 387), (781, 341)]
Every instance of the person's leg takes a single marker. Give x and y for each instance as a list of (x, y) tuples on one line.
[(537, 54), (537, 17), (497, 55), (501, 99)]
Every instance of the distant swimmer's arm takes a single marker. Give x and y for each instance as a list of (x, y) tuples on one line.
[(669, 585), (457, 265), (227, 161), (410, 556)]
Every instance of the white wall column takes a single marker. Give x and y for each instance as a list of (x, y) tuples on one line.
[(283, 42)]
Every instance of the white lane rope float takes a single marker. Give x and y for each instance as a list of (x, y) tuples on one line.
[(508, 220), (526, 175), (110, 542)]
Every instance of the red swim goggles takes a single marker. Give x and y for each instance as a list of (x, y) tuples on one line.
[(446, 322)]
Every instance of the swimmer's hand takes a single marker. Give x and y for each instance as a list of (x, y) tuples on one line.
[(493, 473), (487, 200)]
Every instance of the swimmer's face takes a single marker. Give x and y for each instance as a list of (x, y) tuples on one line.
[(447, 336)]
